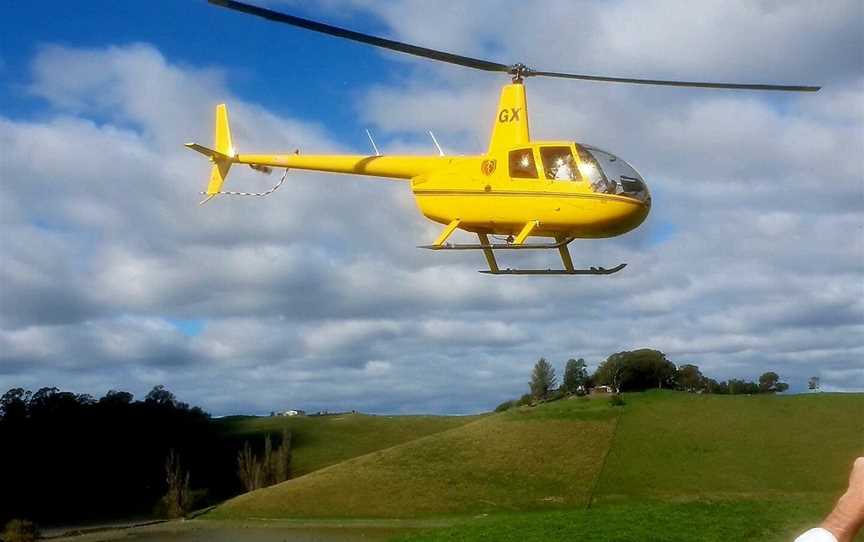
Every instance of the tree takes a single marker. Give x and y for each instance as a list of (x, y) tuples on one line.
[(116, 398), (14, 404), (93, 477), (690, 378), (611, 372), (661, 369), (274, 467), (767, 381), (282, 458), (713, 386), (249, 468), (770, 382), (813, 383), (51, 402), (160, 396), (575, 375), (542, 379), (177, 499), (268, 477), (41, 400), (638, 370), (740, 387)]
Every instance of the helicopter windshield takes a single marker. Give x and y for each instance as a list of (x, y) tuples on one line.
[(609, 174)]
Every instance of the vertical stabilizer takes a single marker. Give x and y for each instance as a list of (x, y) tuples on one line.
[(222, 134), (511, 119), (223, 145)]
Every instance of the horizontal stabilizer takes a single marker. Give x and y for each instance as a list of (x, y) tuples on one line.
[(208, 152)]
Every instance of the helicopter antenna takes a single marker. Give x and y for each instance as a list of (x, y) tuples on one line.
[(440, 151), (518, 71), (374, 146)]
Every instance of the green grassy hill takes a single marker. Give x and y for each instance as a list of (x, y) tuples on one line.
[(534, 458), (320, 441), (748, 468)]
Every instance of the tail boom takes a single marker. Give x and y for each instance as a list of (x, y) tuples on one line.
[(223, 156), (393, 167)]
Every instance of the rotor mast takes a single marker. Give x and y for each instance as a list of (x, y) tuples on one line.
[(510, 127)]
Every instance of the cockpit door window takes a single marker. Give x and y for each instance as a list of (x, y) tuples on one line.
[(558, 163), (522, 164)]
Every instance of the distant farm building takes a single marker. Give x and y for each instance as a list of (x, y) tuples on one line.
[(293, 413)]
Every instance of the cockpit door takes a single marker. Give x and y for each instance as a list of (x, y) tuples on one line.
[(559, 163)]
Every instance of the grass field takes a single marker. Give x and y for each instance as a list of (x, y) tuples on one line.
[(687, 445), (320, 441), (732, 467), (722, 521)]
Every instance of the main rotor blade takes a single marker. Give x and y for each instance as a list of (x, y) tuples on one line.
[(517, 70), (696, 84), (363, 38)]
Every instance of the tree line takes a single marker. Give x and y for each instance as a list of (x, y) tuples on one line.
[(636, 370), (70, 457), (642, 369)]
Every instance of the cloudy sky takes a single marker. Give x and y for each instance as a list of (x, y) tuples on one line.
[(111, 275)]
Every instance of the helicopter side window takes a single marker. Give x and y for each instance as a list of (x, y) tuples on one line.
[(558, 163), (522, 164)]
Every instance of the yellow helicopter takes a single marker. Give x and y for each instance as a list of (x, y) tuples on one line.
[(519, 188)]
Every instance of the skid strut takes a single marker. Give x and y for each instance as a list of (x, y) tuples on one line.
[(519, 243), (489, 253)]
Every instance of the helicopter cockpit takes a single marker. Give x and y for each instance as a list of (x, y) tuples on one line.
[(606, 173), (610, 174)]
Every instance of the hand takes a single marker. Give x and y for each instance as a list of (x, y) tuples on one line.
[(847, 518)]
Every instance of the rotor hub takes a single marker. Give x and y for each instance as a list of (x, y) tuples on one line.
[(519, 72)]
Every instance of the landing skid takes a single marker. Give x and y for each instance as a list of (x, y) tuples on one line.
[(519, 244), (589, 271)]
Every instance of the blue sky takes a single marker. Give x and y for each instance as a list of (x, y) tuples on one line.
[(271, 65), (113, 277)]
